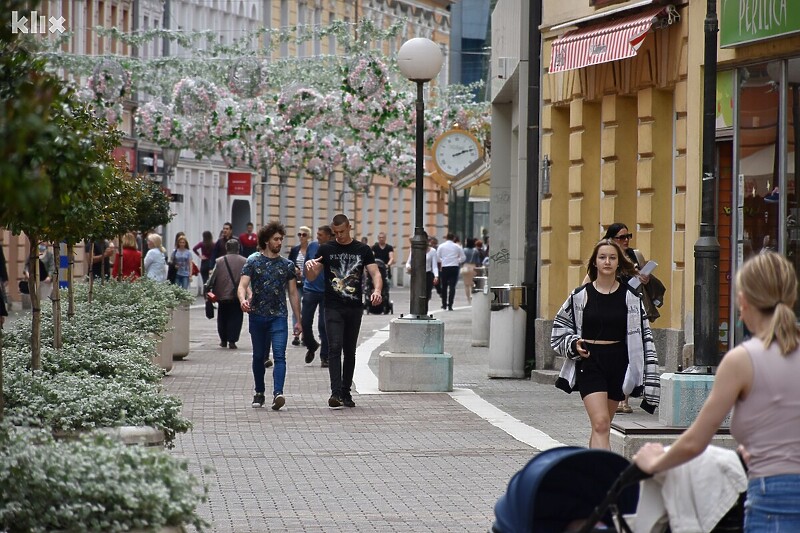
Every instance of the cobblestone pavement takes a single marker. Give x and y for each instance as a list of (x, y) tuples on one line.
[(396, 462)]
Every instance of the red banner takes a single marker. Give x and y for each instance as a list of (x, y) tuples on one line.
[(239, 183), (125, 158)]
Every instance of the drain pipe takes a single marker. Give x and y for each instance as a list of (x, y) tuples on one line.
[(531, 273)]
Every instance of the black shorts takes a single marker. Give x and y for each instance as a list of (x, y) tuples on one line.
[(603, 371)]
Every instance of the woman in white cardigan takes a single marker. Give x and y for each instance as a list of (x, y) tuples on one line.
[(604, 335)]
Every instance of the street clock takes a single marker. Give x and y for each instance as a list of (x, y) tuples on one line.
[(455, 150)]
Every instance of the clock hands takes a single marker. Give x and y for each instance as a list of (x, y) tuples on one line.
[(462, 152)]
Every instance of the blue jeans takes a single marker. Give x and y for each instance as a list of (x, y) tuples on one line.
[(266, 331), (342, 325), (182, 281), (311, 300), (773, 504)]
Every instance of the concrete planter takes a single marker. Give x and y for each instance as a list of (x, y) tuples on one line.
[(180, 335), (164, 348), (130, 435)]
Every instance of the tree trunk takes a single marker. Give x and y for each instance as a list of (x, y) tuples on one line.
[(56, 298), (70, 273), (90, 255), (2, 401), (36, 310)]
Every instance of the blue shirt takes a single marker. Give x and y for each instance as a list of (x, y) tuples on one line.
[(318, 285), (268, 280)]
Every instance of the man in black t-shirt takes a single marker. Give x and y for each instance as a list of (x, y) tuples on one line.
[(384, 252), (344, 261)]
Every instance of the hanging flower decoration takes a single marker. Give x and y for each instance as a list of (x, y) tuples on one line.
[(109, 81), (158, 123), (299, 149), (327, 157), (195, 96), (299, 104), (365, 76), (226, 119), (106, 88), (247, 77), (235, 153)]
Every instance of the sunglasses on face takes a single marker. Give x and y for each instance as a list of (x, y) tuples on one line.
[(626, 237), (302, 234)]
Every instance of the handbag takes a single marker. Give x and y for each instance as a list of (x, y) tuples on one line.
[(195, 270), (24, 288), (209, 309)]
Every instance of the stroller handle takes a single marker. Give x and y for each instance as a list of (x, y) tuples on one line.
[(631, 475)]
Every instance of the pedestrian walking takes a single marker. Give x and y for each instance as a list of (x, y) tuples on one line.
[(603, 333), (182, 262), (268, 276), (99, 253), (758, 380), (451, 256), (468, 268), (313, 298), (248, 241), (344, 261), (224, 283), (219, 247), (298, 255), (205, 250), (384, 252), (155, 261), (620, 233), (128, 264)]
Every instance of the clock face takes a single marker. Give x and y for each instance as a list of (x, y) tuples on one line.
[(455, 151)]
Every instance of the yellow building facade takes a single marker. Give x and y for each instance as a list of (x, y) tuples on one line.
[(621, 141)]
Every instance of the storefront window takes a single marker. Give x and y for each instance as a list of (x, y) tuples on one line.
[(792, 162), (759, 157)]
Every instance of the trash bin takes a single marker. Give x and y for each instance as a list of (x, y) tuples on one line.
[(507, 331), (480, 311)]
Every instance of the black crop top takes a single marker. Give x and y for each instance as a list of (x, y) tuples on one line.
[(605, 316)]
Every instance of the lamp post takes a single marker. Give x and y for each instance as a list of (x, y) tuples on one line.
[(420, 60), (706, 249)]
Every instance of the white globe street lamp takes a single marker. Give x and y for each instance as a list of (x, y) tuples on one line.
[(420, 60)]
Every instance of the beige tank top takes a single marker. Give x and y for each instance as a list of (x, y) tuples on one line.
[(767, 422)]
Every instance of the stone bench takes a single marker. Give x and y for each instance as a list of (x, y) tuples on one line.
[(628, 435)]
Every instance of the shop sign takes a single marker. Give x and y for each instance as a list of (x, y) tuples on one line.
[(748, 21), (239, 183)]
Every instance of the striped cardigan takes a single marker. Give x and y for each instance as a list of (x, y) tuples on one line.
[(642, 375)]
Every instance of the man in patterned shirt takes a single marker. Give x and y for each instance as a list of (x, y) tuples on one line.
[(268, 275)]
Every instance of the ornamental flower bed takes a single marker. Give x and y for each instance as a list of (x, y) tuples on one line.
[(103, 376), (91, 484)]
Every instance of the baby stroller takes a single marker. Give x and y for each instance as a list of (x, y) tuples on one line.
[(386, 306), (568, 489), (579, 490)]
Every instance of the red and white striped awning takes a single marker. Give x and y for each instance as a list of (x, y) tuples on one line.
[(601, 43)]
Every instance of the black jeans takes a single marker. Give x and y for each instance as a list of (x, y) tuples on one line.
[(448, 278), (429, 284), (342, 325), (311, 300), (229, 320)]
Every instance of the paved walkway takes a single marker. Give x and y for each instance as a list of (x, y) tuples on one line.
[(397, 462)]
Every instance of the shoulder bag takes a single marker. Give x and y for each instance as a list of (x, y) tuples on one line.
[(172, 270), (234, 281)]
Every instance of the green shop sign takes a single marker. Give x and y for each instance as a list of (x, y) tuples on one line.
[(747, 21)]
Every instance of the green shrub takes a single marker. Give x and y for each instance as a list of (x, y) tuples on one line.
[(91, 484)]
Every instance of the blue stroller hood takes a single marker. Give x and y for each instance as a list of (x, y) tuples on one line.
[(558, 486)]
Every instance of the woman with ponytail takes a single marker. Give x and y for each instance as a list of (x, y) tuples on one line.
[(760, 379)]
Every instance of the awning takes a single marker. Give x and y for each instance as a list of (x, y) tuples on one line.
[(472, 175), (608, 41)]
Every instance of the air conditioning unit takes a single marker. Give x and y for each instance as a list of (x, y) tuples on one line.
[(501, 72)]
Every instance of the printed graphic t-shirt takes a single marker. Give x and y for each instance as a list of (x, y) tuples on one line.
[(344, 269), (268, 280)]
